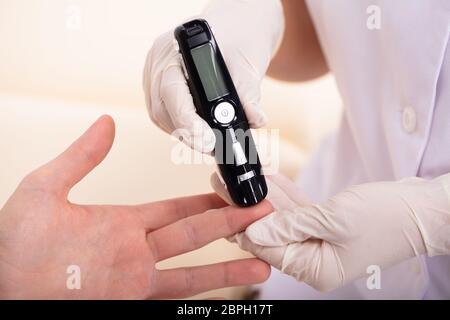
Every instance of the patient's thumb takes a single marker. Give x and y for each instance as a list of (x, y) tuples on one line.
[(82, 156)]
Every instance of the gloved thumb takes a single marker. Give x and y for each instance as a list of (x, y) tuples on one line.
[(250, 96), (283, 228), (272, 255)]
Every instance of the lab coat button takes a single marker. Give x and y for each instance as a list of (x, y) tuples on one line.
[(224, 112), (409, 119)]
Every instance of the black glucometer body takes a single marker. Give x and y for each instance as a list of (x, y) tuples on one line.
[(218, 103)]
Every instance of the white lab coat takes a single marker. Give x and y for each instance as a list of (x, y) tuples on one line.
[(395, 84)]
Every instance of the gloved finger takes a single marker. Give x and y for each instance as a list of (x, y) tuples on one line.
[(219, 187), (152, 81), (271, 255), (279, 199), (283, 194), (178, 102), (276, 196), (276, 228), (250, 96), (280, 229), (290, 189), (315, 263), (247, 81)]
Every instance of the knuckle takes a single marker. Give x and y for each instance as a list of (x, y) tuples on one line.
[(155, 114), (227, 277), (165, 90), (30, 179), (159, 46), (163, 39), (153, 246), (35, 179), (188, 280), (230, 221), (191, 234), (90, 156)]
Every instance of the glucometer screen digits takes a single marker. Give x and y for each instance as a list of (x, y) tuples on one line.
[(210, 73)]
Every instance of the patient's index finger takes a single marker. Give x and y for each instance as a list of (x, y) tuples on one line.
[(159, 214), (197, 231)]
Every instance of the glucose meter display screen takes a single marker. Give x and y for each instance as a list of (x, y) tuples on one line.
[(209, 72)]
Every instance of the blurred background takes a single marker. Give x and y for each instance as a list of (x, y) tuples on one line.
[(63, 63)]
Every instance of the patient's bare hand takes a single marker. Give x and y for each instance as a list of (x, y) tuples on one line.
[(115, 247)]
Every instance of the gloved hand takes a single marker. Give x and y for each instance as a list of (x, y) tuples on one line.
[(329, 245), (248, 33)]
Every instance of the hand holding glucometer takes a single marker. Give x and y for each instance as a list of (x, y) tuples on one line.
[(218, 103), (216, 114)]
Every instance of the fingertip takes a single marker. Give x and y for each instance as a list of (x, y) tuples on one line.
[(106, 118), (247, 216), (104, 126), (261, 232), (261, 210), (241, 218), (267, 205), (247, 272), (259, 270), (253, 234), (107, 122), (217, 201), (104, 133)]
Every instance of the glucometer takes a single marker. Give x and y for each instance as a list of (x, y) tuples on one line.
[(218, 103)]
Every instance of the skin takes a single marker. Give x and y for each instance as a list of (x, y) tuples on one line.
[(300, 56), (116, 247)]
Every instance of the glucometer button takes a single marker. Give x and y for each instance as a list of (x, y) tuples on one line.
[(224, 112)]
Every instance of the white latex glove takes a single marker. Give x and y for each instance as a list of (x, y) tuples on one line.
[(329, 245), (248, 33)]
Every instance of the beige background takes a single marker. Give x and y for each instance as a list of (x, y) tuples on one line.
[(65, 62)]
